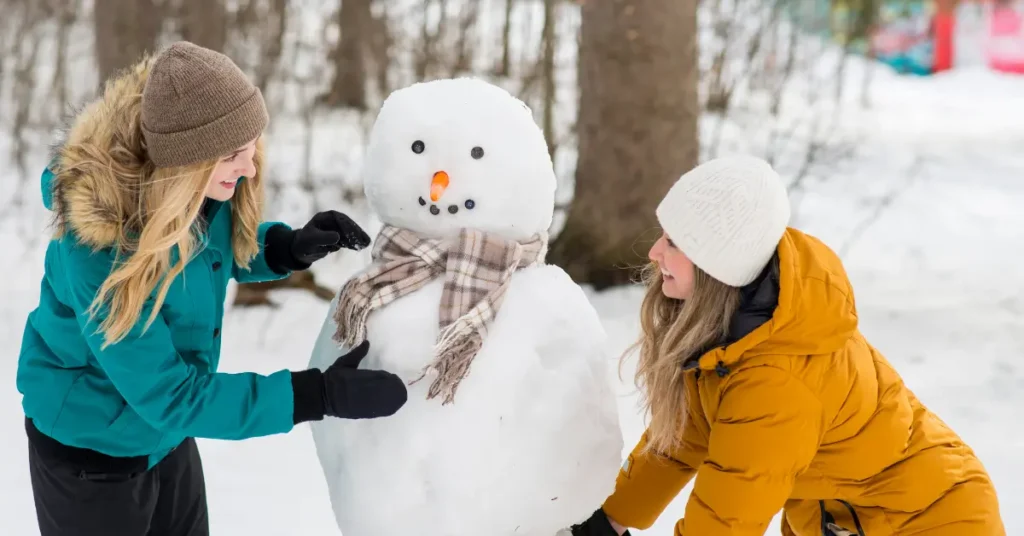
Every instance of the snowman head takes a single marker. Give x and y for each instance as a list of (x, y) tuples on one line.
[(450, 154)]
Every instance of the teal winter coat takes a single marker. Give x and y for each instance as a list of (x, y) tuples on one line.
[(145, 394)]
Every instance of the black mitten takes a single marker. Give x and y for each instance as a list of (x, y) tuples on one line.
[(347, 392), (596, 525), (325, 233)]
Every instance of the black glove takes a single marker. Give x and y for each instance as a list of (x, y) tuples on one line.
[(326, 232), (596, 525), (346, 392)]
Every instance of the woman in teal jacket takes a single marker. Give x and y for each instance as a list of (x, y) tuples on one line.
[(157, 197)]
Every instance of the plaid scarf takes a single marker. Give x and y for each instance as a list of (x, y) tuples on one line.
[(477, 267)]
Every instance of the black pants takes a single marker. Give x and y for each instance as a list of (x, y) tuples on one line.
[(80, 497)]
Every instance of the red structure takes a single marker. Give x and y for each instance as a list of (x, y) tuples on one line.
[(943, 25)]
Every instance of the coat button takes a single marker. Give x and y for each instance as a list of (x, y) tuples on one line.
[(216, 266), (216, 332)]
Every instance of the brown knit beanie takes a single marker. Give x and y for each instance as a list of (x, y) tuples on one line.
[(198, 105)]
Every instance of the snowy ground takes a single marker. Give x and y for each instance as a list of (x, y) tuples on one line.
[(937, 275)]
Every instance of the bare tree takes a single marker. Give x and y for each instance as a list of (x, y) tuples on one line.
[(348, 87), (382, 44), (637, 129), (505, 66), (273, 45), (125, 31), (66, 15), (469, 16), (204, 22), (547, 69), (25, 57), (427, 54)]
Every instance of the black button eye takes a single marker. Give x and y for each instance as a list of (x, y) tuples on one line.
[(470, 204), (418, 146), (477, 153)]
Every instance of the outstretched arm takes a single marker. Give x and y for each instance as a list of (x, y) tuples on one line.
[(649, 480)]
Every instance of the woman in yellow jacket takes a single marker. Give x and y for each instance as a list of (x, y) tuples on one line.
[(760, 385)]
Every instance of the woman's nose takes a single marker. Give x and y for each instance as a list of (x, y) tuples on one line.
[(249, 170), (655, 252)]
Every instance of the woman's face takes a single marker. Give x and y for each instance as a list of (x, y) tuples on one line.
[(229, 169), (676, 269)]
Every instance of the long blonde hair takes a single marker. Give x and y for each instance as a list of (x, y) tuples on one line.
[(111, 195), (166, 211), (673, 331)]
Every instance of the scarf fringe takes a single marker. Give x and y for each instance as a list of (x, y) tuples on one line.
[(450, 334), (350, 319), (455, 355)]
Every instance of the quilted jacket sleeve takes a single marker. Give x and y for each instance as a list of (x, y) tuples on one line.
[(649, 481)]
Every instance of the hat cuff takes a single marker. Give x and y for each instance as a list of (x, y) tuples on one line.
[(734, 274), (212, 140)]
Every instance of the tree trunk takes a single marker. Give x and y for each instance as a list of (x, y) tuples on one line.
[(258, 294), (505, 67), (637, 128), (547, 69), (204, 22), (381, 43), (348, 88), (125, 31), (465, 45), (276, 19)]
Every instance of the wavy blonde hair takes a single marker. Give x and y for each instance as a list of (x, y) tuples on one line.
[(168, 206), (108, 191), (673, 331)]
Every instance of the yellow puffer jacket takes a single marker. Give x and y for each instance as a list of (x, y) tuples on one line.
[(802, 414)]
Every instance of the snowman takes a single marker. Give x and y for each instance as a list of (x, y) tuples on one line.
[(511, 427)]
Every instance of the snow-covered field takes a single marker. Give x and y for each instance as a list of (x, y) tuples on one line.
[(928, 218)]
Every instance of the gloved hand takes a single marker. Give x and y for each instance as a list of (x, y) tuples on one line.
[(597, 525), (346, 392), (326, 232)]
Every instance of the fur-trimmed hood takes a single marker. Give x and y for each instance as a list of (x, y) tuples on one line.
[(98, 165)]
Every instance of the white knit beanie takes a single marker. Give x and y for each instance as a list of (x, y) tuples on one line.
[(728, 216)]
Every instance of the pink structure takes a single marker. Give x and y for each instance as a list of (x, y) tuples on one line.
[(1004, 43)]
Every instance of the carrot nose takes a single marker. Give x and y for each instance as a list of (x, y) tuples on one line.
[(438, 185)]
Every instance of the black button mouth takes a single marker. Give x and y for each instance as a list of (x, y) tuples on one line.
[(452, 209)]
